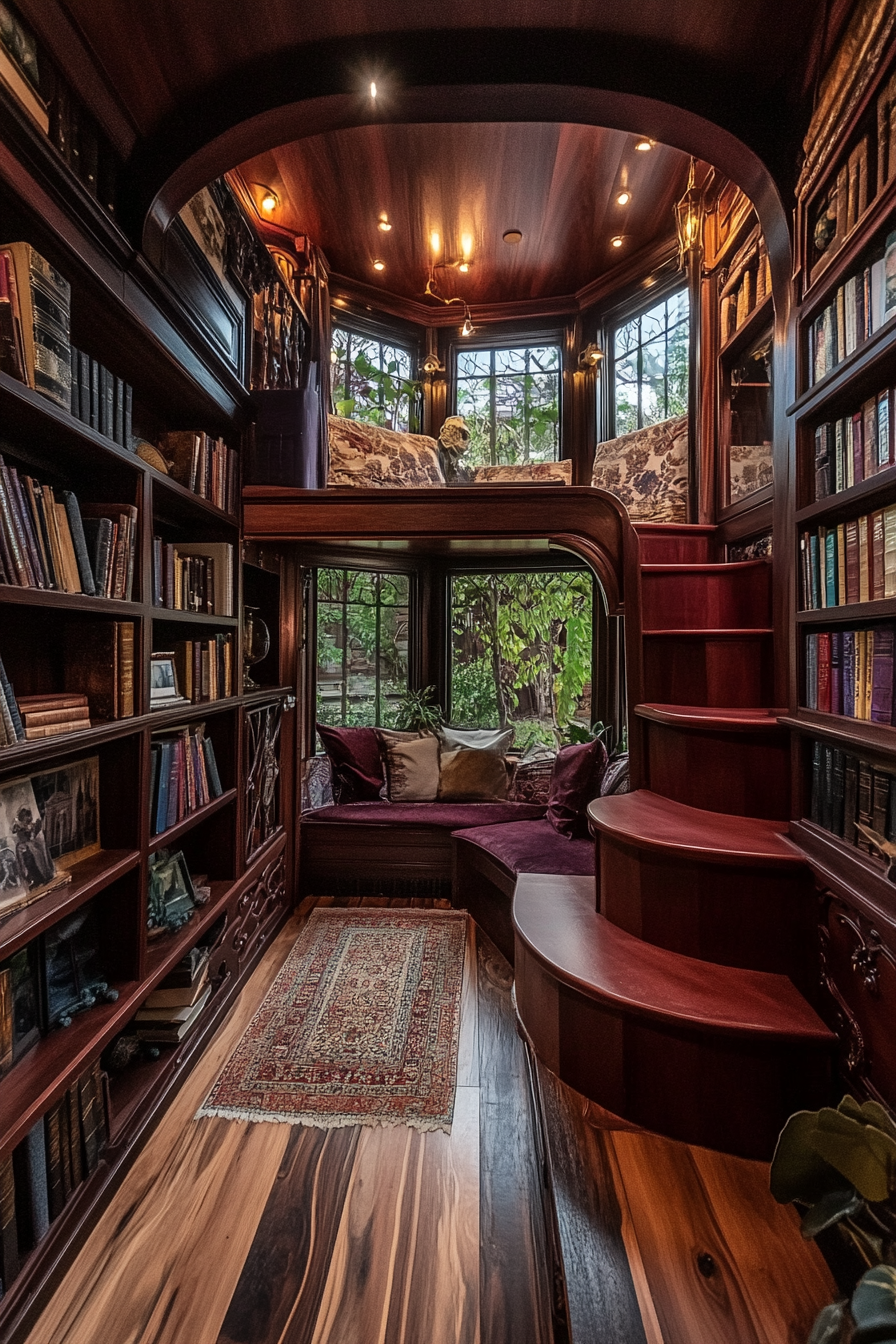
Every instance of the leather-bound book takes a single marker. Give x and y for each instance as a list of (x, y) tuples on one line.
[(91, 666), (884, 431), (55, 1184), (876, 527), (850, 793), (822, 463), (823, 703), (881, 709), (849, 673), (812, 671), (44, 297), (87, 1110), (74, 1135), (852, 560), (864, 797), (827, 789), (79, 542), (836, 672), (880, 800), (32, 1200), (869, 436), (815, 797), (181, 447), (12, 349), (867, 638), (841, 564), (9, 1237), (5, 1021), (858, 449), (864, 562), (124, 631), (890, 551), (831, 596)]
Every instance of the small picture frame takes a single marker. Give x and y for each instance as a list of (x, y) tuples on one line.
[(172, 900), (163, 689)]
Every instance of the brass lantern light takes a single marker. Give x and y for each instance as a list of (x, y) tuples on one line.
[(689, 213)]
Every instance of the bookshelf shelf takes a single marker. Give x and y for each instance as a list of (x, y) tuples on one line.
[(858, 499), (89, 877), (756, 319), (827, 274), (851, 734), (174, 833), (26, 756), (855, 611), (166, 485), (851, 376), (163, 954), (194, 618), (44, 597), (838, 863)]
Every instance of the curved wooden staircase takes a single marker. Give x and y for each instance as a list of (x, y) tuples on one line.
[(682, 994)]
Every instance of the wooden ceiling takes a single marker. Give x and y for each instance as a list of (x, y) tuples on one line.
[(557, 184)]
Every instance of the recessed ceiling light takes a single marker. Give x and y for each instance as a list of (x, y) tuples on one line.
[(373, 88), (644, 145), (513, 236), (623, 198), (379, 265), (616, 242)]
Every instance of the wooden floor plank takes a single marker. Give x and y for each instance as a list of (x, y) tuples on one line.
[(468, 1046), (514, 1284), (283, 1277)]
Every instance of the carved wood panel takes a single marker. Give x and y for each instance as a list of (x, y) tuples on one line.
[(858, 967), (256, 906), (262, 775)]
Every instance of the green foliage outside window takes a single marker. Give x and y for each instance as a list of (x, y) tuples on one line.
[(362, 646), (521, 652), (372, 382), (511, 402), (650, 372)]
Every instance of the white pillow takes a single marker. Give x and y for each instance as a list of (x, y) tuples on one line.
[(497, 740)]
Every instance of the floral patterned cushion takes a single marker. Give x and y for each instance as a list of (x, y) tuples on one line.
[(372, 458), (530, 471), (648, 471)]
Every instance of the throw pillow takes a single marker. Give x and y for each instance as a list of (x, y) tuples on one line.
[(539, 473), (355, 763), (411, 766), (647, 470), (578, 771), (373, 458), (496, 740), (471, 776), (616, 777), (532, 778)]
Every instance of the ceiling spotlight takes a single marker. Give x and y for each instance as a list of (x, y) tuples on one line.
[(617, 241), (623, 198), (644, 145), (513, 236), (379, 265), (269, 200), (373, 88), (464, 266), (383, 223)]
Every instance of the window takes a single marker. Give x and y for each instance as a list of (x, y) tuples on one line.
[(362, 645), (511, 402), (522, 651), (650, 365), (372, 380)]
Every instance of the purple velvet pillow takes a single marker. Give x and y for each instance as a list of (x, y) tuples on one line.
[(578, 771), (355, 763)]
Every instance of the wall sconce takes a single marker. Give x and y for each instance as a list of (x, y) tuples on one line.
[(467, 329), (269, 199), (689, 212), (590, 357), (432, 364)]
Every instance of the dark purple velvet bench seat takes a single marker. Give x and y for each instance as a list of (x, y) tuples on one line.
[(392, 849), (488, 860)]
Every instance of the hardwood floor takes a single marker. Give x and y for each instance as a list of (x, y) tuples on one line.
[(235, 1233)]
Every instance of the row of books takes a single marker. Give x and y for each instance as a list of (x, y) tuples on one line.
[(100, 399), (847, 200), (860, 306), (35, 321), (184, 776), (204, 668), (169, 1014), (62, 545), (195, 576), (850, 672), (752, 290), (849, 562), (204, 465), (40, 1176), (848, 794), (855, 447)]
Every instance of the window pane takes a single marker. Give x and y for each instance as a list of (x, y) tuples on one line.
[(362, 645), (513, 416), (650, 379), (372, 380)]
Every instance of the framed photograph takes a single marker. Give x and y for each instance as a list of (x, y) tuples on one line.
[(163, 689), (172, 900), (74, 977), (27, 868), (69, 802)]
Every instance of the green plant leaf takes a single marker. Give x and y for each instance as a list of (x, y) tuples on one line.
[(830, 1209), (873, 1306), (870, 1113), (798, 1171), (828, 1324), (866, 1156)]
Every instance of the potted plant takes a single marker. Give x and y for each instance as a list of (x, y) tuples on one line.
[(419, 711)]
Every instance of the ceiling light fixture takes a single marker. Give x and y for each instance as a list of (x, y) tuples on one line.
[(373, 88), (383, 223), (464, 266), (644, 145), (617, 241), (590, 357), (512, 237), (435, 242), (432, 364), (379, 265), (689, 212), (467, 329), (623, 198), (269, 200)]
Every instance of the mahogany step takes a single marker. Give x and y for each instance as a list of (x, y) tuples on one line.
[(705, 597), (730, 890), (725, 759), (675, 543), (712, 668), (707, 1054)]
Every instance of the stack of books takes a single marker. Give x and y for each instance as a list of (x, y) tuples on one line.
[(170, 1012), (847, 791), (47, 715), (204, 465), (849, 562), (205, 667), (44, 1171), (35, 308), (101, 400), (60, 545), (195, 576), (860, 308), (184, 777), (855, 447), (850, 672)]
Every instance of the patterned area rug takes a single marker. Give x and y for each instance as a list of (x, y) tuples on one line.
[(360, 1026)]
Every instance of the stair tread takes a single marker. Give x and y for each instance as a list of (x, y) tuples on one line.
[(709, 716), (701, 566), (676, 529), (556, 918), (647, 820)]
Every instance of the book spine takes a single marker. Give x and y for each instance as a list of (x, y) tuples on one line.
[(55, 1190), (9, 700), (125, 638), (9, 1237), (79, 542), (118, 415), (50, 307), (881, 708), (214, 778), (850, 788), (823, 701), (37, 1181), (836, 672)]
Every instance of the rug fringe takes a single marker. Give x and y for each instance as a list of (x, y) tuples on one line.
[(321, 1121)]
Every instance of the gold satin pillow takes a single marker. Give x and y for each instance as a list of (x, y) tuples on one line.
[(472, 776)]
